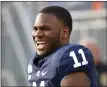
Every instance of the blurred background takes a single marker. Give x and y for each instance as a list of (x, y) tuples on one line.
[(89, 20)]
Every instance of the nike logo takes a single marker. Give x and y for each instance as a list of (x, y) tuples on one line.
[(44, 73)]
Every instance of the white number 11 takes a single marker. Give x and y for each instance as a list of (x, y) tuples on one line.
[(77, 63), (42, 84)]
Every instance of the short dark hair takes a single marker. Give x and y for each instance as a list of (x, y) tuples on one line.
[(61, 13)]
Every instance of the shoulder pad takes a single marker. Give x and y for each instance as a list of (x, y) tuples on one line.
[(76, 58)]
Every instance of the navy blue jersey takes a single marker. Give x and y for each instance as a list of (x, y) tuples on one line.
[(50, 70)]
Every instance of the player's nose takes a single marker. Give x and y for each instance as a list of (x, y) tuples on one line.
[(38, 33)]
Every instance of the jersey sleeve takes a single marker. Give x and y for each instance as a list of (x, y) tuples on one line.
[(76, 59)]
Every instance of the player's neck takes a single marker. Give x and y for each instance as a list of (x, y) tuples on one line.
[(64, 43)]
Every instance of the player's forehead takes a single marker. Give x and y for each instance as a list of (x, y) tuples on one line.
[(46, 19)]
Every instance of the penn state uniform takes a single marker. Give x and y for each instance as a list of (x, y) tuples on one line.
[(51, 70)]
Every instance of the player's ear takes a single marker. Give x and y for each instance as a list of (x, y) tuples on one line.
[(65, 33)]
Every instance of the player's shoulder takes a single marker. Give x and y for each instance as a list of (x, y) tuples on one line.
[(73, 48), (74, 51), (31, 59), (76, 58)]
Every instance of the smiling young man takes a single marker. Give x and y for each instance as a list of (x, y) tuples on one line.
[(56, 63)]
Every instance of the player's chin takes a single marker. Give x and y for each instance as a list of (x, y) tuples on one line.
[(41, 52)]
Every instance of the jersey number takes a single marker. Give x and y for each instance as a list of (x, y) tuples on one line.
[(77, 63), (42, 84)]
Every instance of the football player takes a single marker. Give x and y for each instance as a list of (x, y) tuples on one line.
[(56, 63)]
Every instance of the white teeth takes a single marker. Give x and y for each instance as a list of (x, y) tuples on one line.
[(41, 43)]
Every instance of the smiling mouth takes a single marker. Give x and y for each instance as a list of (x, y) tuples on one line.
[(41, 45)]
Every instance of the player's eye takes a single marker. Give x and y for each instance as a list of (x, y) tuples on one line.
[(46, 28), (35, 28)]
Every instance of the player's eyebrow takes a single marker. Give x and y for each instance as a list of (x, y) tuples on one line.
[(41, 27)]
